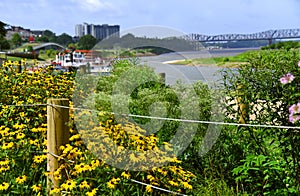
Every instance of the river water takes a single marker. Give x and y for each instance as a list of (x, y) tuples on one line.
[(189, 74)]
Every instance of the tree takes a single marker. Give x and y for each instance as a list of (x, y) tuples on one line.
[(72, 46), (16, 40), (4, 44), (42, 39), (29, 49), (50, 35), (87, 42), (2, 29), (64, 39)]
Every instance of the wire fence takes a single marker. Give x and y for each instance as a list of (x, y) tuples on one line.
[(166, 118), (148, 117)]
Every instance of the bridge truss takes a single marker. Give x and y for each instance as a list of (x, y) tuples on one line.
[(265, 35)]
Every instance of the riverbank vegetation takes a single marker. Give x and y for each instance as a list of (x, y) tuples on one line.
[(219, 61)]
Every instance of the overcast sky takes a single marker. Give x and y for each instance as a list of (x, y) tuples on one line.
[(209, 17)]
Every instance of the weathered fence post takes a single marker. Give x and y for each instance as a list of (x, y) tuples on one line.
[(19, 67), (57, 135), (242, 106), (162, 77), (82, 69), (88, 68)]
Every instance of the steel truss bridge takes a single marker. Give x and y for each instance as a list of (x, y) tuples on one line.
[(265, 35)]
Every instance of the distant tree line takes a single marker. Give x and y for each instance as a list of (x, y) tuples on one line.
[(154, 45), (239, 44), (283, 45)]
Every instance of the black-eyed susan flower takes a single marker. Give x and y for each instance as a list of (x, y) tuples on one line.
[(125, 175), (21, 179), (36, 188), (75, 137), (20, 135), (186, 185), (171, 182), (4, 168), (54, 191), (149, 189), (39, 158), (5, 162), (7, 145), (150, 177), (57, 174), (92, 193), (4, 186), (80, 168), (84, 185), (112, 183), (19, 126), (68, 185), (22, 114), (34, 142)]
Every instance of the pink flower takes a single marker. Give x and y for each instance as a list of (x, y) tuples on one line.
[(294, 112), (298, 63), (294, 118), (295, 108), (288, 78)]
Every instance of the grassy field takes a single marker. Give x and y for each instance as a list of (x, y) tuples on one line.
[(219, 61)]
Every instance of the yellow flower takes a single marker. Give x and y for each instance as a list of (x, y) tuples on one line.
[(39, 158), (7, 145), (113, 182), (110, 185), (4, 186), (92, 193), (84, 185), (171, 182), (21, 179), (149, 189), (69, 185), (54, 191), (5, 168), (20, 135), (151, 178), (186, 185), (81, 168), (34, 142), (19, 126), (6, 162), (36, 188), (74, 137), (125, 175)]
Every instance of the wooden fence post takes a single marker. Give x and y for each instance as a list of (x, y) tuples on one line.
[(82, 69), (19, 67), (162, 77), (57, 134), (242, 106)]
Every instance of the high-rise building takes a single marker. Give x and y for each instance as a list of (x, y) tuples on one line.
[(98, 31), (79, 31)]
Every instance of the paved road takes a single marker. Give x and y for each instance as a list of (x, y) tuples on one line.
[(189, 74)]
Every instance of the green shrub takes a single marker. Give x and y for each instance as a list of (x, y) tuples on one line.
[(258, 85)]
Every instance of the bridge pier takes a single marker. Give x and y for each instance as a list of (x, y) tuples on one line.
[(270, 41)]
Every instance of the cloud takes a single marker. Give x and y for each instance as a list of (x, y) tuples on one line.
[(93, 5)]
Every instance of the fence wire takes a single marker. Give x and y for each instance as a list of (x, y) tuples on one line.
[(156, 118)]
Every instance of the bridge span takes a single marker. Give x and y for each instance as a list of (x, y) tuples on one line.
[(265, 35)]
